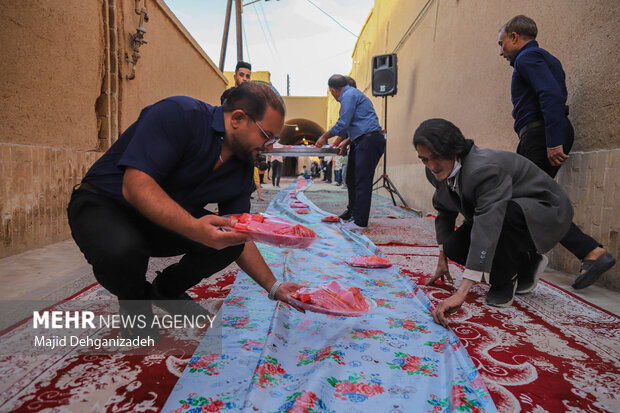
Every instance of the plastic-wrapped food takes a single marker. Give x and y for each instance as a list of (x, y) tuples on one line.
[(371, 261), (298, 204), (331, 218), (274, 231), (302, 211), (332, 299)]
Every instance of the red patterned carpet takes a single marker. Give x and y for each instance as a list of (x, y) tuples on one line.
[(550, 352), (121, 382)]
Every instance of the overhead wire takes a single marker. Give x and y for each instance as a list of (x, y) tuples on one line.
[(264, 34), (275, 46), (331, 17), (245, 39)]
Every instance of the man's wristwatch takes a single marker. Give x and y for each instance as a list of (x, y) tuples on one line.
[(274, 288)]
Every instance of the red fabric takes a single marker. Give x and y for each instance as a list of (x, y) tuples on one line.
[(550, 350), (116, 382)]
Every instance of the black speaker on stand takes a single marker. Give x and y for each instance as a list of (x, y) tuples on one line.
[(384, 82)]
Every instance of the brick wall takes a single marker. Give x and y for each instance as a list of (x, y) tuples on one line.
[(34, 192), (592, 181)]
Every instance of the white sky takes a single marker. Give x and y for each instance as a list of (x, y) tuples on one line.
[(281, 36)]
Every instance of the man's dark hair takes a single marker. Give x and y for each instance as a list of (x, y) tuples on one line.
[(523, 26), (351, 82), (253, 98), (243, 65), (337, 82), (442, 138)]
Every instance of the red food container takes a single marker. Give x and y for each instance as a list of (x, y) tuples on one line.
[(371, 261), (273, 231)]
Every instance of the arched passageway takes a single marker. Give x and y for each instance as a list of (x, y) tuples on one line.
[(298, 131)]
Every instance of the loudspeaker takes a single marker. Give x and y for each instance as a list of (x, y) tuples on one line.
[(384, 75)]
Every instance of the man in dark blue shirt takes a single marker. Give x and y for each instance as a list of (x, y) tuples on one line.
[(545, 134), (145, 197), (359, 123)]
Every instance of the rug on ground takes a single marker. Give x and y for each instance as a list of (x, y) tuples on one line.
[(551, 351), (62, 380)]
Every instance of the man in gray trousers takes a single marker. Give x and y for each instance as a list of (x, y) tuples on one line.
[(513, 211)]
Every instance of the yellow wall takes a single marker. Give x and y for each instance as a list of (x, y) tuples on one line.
[(448, 66), (313, 108)]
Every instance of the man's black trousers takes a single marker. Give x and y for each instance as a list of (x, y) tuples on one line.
[(364, 155), (276, 171), (533, 146), (514, 246), (118, 242)]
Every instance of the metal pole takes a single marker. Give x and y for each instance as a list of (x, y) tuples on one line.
[(239, 35), (225, 35)]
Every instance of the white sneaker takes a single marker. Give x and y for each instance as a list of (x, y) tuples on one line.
[(352, 226)]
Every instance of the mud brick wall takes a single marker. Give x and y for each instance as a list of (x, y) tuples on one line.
[(592, 181), (34, 192)]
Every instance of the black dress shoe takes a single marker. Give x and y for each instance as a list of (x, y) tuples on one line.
[(502, 295), (180, 304), (137, 316), (346, 215), (593, 270), (529, 273)]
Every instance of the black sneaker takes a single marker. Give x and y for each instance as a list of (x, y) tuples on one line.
[(346, 215), (137, 319), (529, 273), (181, 304), (502, 295)]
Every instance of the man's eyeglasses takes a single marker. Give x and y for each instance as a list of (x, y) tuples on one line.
[(270, 140)]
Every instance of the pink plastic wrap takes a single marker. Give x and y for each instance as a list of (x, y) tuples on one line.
[(298, 205), (371, 261), (332, 299), (273, 231)]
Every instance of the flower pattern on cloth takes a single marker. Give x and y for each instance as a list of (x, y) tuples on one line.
[(281, 360)]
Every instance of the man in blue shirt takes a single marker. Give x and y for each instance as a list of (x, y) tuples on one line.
[(145, 197), (545, 134), (357, 121)]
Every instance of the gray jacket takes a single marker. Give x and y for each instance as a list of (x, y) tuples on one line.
[(488, 179)]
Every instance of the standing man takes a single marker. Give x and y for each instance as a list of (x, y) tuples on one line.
[(512, 209), (276, 166), (243, 73), (145, 197), (358, 121), (545, 134)]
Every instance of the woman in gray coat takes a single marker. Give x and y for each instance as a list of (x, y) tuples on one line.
[(513, 213)]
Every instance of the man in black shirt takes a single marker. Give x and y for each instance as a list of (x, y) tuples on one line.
[(243, 73)]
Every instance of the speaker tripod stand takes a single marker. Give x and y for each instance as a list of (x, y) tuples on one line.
[(386, 182)]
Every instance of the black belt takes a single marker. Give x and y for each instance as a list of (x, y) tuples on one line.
[(85, 186), (531, 125), (359, 138)]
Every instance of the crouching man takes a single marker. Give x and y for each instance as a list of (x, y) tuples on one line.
[(145, 197), (513, 213)]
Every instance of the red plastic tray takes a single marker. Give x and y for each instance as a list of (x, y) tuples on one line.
[(371, 261), (260, 232), (318, 309)]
